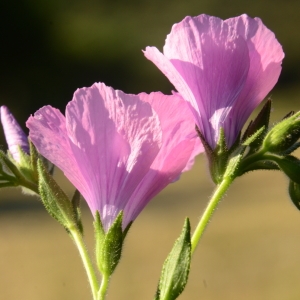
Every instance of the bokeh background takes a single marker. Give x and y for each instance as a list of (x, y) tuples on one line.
[(51, 48)]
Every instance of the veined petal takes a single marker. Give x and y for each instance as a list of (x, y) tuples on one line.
[(115, 138), (266, 56), (49, 135), (213, 61), (180, 144), (118, 150)]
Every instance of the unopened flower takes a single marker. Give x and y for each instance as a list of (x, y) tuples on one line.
[(224, 69), (118, 150), (14, 135)]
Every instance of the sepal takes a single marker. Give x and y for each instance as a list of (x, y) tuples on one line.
[(54, 199), (176, 267), (108, 244), (75, 202), (261, 125), (7, 169)]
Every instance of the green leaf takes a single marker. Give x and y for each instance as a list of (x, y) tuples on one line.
[(108, 245), (294, 192), (54, 199), (176, 267)]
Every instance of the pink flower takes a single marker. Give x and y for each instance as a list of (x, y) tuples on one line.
[(118, 150), (224, 69), (14, 135)]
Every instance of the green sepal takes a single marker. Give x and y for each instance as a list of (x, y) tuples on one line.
[(7, 178), (126, 230), (75, 202), (289, 164), (54, 199), (16, 174), (108, 245), (208, 150), (10, 166), (220, 160), (294, 192), (233, 166), (261, 121), (252, 139), (176, 267)]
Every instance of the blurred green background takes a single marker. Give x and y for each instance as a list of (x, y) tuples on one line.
[(51, 48)]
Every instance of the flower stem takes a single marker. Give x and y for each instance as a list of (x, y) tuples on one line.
[(103, 288), (208, 212), (77, 237)]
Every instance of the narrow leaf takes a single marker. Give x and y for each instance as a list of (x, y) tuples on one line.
[(54, 199), (176, 267)]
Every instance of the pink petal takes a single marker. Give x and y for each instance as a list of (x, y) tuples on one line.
[(179, 147), (118, 150), (115, 138), (201, 49), (266, 56), (48, 133)]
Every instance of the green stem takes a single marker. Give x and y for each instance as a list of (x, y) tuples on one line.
[(103, 288), (208, 212), (86, 261)]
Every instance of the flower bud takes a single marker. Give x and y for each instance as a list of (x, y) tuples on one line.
[(283, 135), (14, 135)]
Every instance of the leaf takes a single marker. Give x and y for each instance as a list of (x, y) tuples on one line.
[(54, 199), (176, 267)]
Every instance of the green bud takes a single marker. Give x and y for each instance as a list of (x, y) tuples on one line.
[(283, 135)]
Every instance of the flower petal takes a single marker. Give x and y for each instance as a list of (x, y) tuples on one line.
[(115, 138), (201, 49), (49, 135), (266, 56), (180, 145)]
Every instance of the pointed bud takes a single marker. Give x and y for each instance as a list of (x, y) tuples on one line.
[(283, 135), (15, 136)]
